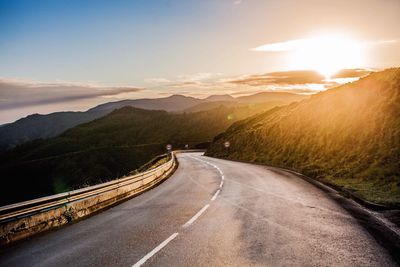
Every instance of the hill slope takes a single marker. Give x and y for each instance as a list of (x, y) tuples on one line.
[(271, 97), (172, 103), (258, 101), (42, 126), (106, 148), (212, 98), (348, 136)]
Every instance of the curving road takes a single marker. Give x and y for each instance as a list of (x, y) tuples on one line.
[(211, 212)]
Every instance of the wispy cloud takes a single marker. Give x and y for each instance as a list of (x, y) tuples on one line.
[(297, 78), (200, 76), (17, 93), (296, 44), (280, 46), (157, 80), (384, 42)]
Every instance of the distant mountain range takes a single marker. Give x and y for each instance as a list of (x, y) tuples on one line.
[(45, 126), (221, 98), (174, 103), (348, 136)]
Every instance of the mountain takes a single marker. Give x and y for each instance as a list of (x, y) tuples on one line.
[(220, 98), (42, 126), (106, 148), (172, 103), (271, 97), (348, 136), (45, 126), (213, 104), (257, 101)]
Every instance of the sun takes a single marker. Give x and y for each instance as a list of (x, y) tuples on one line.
[(327, 54)]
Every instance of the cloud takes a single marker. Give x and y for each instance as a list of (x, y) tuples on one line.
[(199, 80), (18, 94), (352, 73), (297, 77), (247, 92), (200, 76), (287, 77), (384, 42), (186, 84), (316, 42), (157, 80), (280, 46)]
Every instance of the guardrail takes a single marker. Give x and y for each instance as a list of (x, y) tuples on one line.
[(27, 218)]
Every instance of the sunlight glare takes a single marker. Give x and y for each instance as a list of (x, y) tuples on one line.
[(327, 54)]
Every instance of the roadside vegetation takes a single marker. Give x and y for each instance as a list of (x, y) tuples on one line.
[(152, 164)]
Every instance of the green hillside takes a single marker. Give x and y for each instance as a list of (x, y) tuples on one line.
[(348, 136), (107, 148)]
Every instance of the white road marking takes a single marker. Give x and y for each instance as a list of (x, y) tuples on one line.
[(154, 251), (219, 170), (195, 217), (215, 195), (188, 223)]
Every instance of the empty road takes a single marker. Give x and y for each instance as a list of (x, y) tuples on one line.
[(211, 212)]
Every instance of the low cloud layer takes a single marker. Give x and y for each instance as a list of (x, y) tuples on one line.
[(298, 78), (291, 45), (17, 94)]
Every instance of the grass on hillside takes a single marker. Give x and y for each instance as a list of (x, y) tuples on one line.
[(348, 136)]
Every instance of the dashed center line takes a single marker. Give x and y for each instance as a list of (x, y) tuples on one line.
[(155, 250), (215, 195), (197, 215), (188, 223)]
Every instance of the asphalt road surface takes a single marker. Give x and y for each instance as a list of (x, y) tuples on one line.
[(211, 212)]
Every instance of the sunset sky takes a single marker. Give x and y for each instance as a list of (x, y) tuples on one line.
[(72, 55)]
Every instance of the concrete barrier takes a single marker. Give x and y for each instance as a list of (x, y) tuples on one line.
[(24, 219)]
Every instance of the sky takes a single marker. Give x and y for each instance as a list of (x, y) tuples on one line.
[(71, 55)]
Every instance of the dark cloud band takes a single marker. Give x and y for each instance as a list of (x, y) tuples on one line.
[(17, 95)]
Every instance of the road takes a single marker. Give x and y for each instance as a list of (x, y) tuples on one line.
[(211, 212)]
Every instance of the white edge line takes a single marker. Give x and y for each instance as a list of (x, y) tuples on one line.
[(215, 195), (155, 250), (222, 182), (197, 215)]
